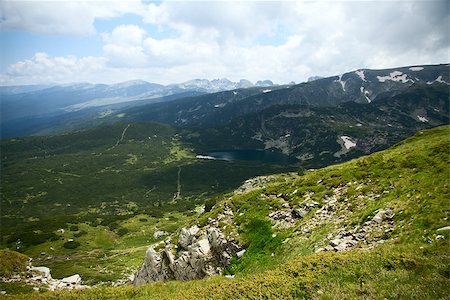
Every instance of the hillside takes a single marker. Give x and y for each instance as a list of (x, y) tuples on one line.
[(316, 135), (39, 110), (360, 86), (69, 200), (345, 231)]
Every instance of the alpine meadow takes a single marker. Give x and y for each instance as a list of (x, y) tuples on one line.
[(224, 149)]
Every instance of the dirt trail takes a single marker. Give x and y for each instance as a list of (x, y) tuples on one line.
[(121, 138), (178, 194)]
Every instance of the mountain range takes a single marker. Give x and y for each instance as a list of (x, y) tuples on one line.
[(26, 107), (88, 183)]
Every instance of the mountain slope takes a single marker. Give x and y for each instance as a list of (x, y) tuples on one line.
[(345, 231), (102, 191), (319, 136), (361, 86)]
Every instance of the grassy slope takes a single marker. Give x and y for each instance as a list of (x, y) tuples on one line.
[(107, 193), (411, 180)]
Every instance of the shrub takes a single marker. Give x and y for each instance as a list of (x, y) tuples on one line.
[(74, 228), (71, 245), (122, 231), (78, 234), (209, 204)]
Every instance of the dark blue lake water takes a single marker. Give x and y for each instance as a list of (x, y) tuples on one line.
[(253, 155)]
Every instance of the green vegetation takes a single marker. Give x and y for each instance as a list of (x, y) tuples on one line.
[(11, 262), (89, 202), (387, 272), (408, 261)]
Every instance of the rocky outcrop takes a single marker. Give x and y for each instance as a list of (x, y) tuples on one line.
[(40, 279), (200, 252), (42, 276)]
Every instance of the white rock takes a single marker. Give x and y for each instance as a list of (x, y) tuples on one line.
[(444, 228), (74, 279), (157, 234), (299, 212), (204, 246), (340, 247), (240, 253), (335, 242), (44, 270), (329, 248)]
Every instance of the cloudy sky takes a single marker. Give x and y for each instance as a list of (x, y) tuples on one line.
[(175, 41)]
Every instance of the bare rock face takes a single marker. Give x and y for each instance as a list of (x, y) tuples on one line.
[(200, 253)]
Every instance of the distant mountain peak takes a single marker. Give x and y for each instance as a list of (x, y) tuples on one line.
[(132, 82), (264, 83), (312, 78)]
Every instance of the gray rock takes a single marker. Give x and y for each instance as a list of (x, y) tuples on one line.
[(187, 235), (158, 233), (202, 253), (299, 212), (43, 270), (379, 217)]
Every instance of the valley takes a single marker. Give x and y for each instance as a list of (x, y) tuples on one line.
[(269, 180), (358, 226), (120, 184)]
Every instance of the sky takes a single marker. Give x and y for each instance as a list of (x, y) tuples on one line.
[(56, 42)]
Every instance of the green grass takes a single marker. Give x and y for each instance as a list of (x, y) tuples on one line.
[(103, 184), (392, 272), (11, 262), (410, 180)]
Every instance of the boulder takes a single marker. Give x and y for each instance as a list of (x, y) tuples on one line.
[(202, 253), (379, 217), (335, 242)]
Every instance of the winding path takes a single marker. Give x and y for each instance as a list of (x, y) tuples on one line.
[(121, 138)]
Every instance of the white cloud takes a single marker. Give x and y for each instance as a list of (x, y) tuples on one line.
[(125, 35), (62, 17), (45, 69), (226, 39)]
